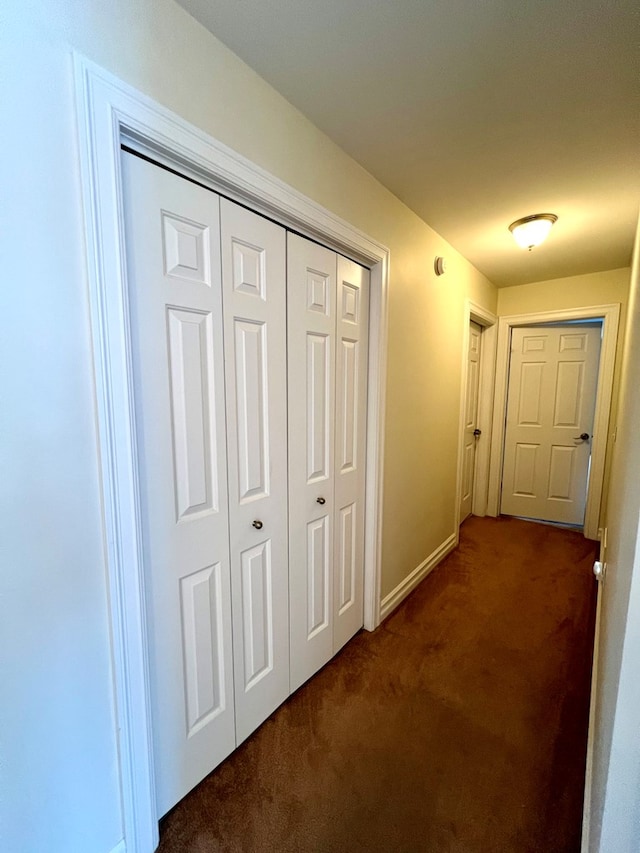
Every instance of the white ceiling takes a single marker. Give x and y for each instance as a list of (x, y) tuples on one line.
[(473, 112)]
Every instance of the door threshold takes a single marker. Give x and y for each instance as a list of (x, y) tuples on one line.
[(577, 527)]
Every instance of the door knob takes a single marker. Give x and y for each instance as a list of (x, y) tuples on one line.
[(320, 500), (477, 432), (257, 524), (584, 436)]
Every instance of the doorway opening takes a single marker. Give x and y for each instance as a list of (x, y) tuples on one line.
[(606, 318)]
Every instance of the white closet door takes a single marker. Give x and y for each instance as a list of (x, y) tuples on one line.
[(254, 293), (311, 288), (172, 234), (352, 326)]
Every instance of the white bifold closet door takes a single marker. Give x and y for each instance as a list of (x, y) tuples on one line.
[(247, 344), (172, 235), (255, 330), (213, 494), (327, 362)]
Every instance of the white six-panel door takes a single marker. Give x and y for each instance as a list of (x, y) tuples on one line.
[(470, 419), (352, 337), (254, 295), (172, 236), (553, 377), (311, 300)]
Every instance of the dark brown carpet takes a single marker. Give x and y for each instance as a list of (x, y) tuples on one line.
[(460, 725)]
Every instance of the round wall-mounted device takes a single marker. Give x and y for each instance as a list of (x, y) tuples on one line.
[(440, 265)]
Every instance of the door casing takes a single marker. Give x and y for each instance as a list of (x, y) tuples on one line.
[(602, 429), (110, 112)]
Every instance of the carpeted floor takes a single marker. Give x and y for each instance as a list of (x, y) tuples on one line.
[(460, 725)]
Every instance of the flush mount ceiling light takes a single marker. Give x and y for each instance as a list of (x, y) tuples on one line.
[(530, 231)]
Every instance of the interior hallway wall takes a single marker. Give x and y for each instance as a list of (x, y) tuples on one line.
[(59, 782), (578, 291), (615, 806)]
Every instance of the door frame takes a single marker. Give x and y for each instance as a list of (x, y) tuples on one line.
[(610, 317), (487, 321), (109, 112)]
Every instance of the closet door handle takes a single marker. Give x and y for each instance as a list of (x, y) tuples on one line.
[(320, 501), (257, 524)]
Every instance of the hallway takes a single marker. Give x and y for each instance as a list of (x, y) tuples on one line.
[(459, 726)]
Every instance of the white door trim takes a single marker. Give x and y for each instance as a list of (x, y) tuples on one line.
[(110, 111), (487, 320), (610, 316)]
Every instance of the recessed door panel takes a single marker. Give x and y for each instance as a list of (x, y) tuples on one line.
[(251, 414), (203, 644), (524, 480), (471, 391), (530, 396), (249, 268), (318, 576), (533, 344), (350, 302), (319, 388), (187, 252), (468, 461), (569, 385), (573, 343), (193, 415), (348, 384), (347, 565), (257, 613), (561, 473), (319, 287)]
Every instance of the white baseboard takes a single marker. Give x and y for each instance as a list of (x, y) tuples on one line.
[(120, 847), (391, 601)]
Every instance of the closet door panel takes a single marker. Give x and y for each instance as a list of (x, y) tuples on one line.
[(172, 242), (311, 369), (254, 293), (352, 326)]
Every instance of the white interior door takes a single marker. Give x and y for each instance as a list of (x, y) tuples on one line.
[(254, 293), (352, 335), (311, 288), (470, 432), (172, 236), (553, 377)]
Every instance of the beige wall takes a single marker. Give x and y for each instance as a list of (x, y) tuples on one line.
[(579, 291), (598, 288), (614, 806), (59, 748)]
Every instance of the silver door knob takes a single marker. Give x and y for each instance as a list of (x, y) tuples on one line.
[(320, 500), (257, 524), (584, 436)]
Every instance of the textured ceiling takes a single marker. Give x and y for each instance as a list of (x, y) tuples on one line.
[(473, 112)]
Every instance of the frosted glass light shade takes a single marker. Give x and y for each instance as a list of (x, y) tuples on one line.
[(530, 231)]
